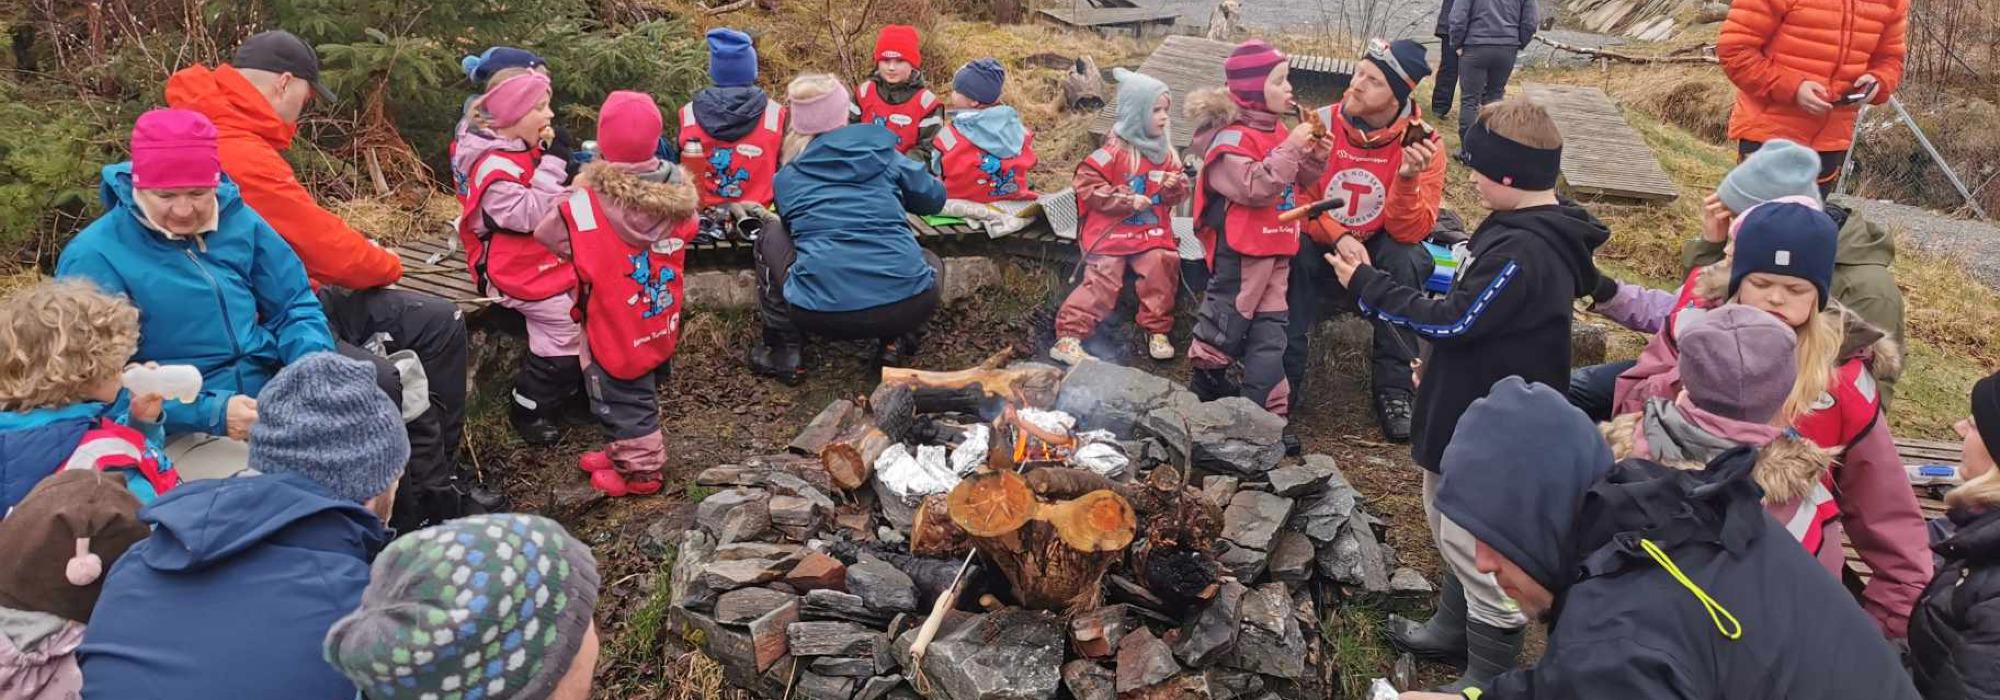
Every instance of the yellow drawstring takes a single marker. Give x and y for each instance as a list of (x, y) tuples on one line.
[(1715, 610), (1472, 693)]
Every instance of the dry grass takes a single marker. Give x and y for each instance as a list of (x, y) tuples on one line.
[(399, 217)]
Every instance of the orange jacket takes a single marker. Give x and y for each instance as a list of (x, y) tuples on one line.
[(252, 137), (1769, 47), (1411, 204)]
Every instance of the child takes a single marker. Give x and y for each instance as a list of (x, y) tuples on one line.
[(625, 229), (65, 348), (1955, 631), (731, 134), (1251, 169), (57, 546), (1508, 313), (1127, 191), (897, 97), (1782, 263), (985, 153), (512, 184), (483, 71)]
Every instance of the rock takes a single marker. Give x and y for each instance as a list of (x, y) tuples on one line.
[(1291, 557), (571, 501), (1270, 641), (695, 551), (881, 586), (1086, 680), (813, 686), (1361, 559), (1231, 684), (1253, 518), (732, 649), (740, 606), (759, 471), (830, 639), (878, 687), (1300, 479), (1587, 342), (1244, 563), (1227, 436), (884, 658), (843, 666), (965, 275), (758, 550), (1321, 515), (1011, 654), (817, 571), (794, 511), (1114, 397), (1143, 660), (1219, 489), (1096, 633), (661, 539), (1212, 634), (825, 604), (723, 576), (894, 509), (769, 634), (736, 515)]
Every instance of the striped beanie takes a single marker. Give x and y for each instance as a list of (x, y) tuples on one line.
[(1246, 70)]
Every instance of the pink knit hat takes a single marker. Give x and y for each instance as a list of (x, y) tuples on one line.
[(513, 98), (1247, 68), (628, 127), (823, 113), (173, 148)]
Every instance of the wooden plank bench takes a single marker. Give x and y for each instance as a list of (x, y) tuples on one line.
[(1929, 498), (1602, 155)]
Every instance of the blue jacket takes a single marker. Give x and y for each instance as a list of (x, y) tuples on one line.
[(843, 199), (1493, 22), (237, 310), (36, 443), (232, 595)]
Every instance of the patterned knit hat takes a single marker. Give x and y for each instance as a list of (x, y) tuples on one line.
[(490, 606)]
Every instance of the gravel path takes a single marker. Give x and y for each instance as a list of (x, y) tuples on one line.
[(1974, 244)]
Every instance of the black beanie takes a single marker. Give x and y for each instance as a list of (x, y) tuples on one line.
[(1405, 63), (1986, 410)]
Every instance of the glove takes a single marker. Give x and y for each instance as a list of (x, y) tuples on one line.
[(1605, 290), (564, 147)]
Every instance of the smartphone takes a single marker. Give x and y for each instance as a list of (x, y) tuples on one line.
[(1417, 132), (1851, 98)]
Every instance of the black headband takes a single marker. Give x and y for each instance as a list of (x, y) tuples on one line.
[(1510, 163)]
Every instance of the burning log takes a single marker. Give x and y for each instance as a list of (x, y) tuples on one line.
[(1027, 386), (1054, 554), (1176, 559), (850, 460)]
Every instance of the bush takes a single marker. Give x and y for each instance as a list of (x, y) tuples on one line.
[(50, 156)]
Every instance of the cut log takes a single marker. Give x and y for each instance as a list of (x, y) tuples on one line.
[(969, 400), (1045, 572), (934, 534), (1061, 482), (851, 460), (893, 411), (1099, 521), (825, 428), (991, 503), (1054, 555), (1028, 386)]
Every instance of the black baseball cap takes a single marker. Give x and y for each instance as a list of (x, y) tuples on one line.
[(280, 51)]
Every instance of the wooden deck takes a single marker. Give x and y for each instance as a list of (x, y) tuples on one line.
[(1929, 498), (1135, 22), (1602, 155), (1187, 63)]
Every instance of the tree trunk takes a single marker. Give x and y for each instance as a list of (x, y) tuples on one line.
[(1054, 554)]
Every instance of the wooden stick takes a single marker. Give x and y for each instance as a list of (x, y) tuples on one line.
[(1628, 58), (922, 644)]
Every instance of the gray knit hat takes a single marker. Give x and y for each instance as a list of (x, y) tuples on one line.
[(325, 418), (492, 606), (1779, 168), (1738, 362)]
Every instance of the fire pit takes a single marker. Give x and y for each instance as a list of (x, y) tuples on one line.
[(1017, 531)]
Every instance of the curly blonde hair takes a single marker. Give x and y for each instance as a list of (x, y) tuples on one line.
[(59, 340)]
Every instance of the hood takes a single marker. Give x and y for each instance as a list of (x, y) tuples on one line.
[(1866, 342), (996, 130), (1568, 229), (28, 630), (852, 153), (1786, 466), (1861, 242), (1640, 499), (1208, 110), (32, 650), (644, 205), (471, 143), (204, 523), (730, 113), (229, 100), (114, 190), (1977, 539), (898, 93)]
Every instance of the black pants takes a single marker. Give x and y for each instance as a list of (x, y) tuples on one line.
[(1316, 294), (1830, 163), (1446, 83), (394, 320), (1592, 389), (1483, 72), (784, 322)]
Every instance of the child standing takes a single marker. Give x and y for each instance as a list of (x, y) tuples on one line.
[(57, 546), (511, 184), (731, 134), (897, 97), (1251, 170), (625, 229), (65, 346), (985, 153), (1126, 192), (1508, 313)]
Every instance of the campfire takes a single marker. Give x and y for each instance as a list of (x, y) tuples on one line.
[(1018, 531)]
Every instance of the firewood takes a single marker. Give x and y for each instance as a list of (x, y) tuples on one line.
[(1054, 554), (831, 423), (934, 534), (851, 460), (893, 411), (1099, 521), (1060, 482), (991, 503), (1028, 386)]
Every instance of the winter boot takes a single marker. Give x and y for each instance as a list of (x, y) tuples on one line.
[(1392, 413), (592, 462), (1069, 351), (1290, 440), (544, 385), (1442, 638), (537, 428), (1212, 384), (1490, 651), (778, 357), (1159, 347)]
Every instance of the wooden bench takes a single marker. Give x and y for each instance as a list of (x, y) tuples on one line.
[(1929, 498), (1134, 22)]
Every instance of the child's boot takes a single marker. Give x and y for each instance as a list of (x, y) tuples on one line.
[(1159, 347), (544, 384), (610, 482), (1069, 351), (592, 462), (643, 484)]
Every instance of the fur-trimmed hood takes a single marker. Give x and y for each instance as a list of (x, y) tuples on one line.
[(643, 205), (1787, 467), (1209, 109)]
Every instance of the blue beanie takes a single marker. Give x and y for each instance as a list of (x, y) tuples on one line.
[(325, 418), (732, 60), (1785, 238), (481, 68), (1779, 168), (980, 80)]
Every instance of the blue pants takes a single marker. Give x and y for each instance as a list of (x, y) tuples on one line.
[(1591, 388)]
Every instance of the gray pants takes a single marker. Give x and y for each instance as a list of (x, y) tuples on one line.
[(1485, 603), (1483, 72)]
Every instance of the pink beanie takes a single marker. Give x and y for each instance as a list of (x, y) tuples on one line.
[(174, 148), (822, 114), (628, 127), (1247, 68), (513, 98)]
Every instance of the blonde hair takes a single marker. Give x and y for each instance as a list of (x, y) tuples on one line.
[(59, 340), (1522, 121), (1981, 492), (1818, 361), (808, 86)]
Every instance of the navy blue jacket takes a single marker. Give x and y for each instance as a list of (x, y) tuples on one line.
[(843, 199), (34, 444), (232, 594)]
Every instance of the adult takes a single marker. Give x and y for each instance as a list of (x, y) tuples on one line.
[(216, 287), (1655, 582), (57, 544), (1447, 71), (233, 593), (1488, 36), (1392, 193), (1802, 69), (845, 265), (255, 101), (413, 608), (1955, 630)]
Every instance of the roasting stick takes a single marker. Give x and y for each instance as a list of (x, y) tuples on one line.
[(922, 644)]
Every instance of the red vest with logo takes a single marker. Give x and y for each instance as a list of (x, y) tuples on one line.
[(513, 262), (1147, 229), (113, 447), (1250, 231), (1852, 405), (733, 171), (630, 295), (974, 175), (904, 120), (1359, 174)]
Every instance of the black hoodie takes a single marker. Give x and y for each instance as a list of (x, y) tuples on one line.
[(1508, 313)]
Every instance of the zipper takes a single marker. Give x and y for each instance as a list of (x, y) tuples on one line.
[(229, 328)]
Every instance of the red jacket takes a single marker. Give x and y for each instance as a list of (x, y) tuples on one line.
[(1768, 47)]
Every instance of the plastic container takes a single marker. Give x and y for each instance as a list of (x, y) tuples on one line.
[(1932, 474), (176, 382)]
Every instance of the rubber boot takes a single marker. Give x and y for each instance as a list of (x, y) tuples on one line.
[(1490, 651), (1442, 638), (1212, 384), (778, 357)]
